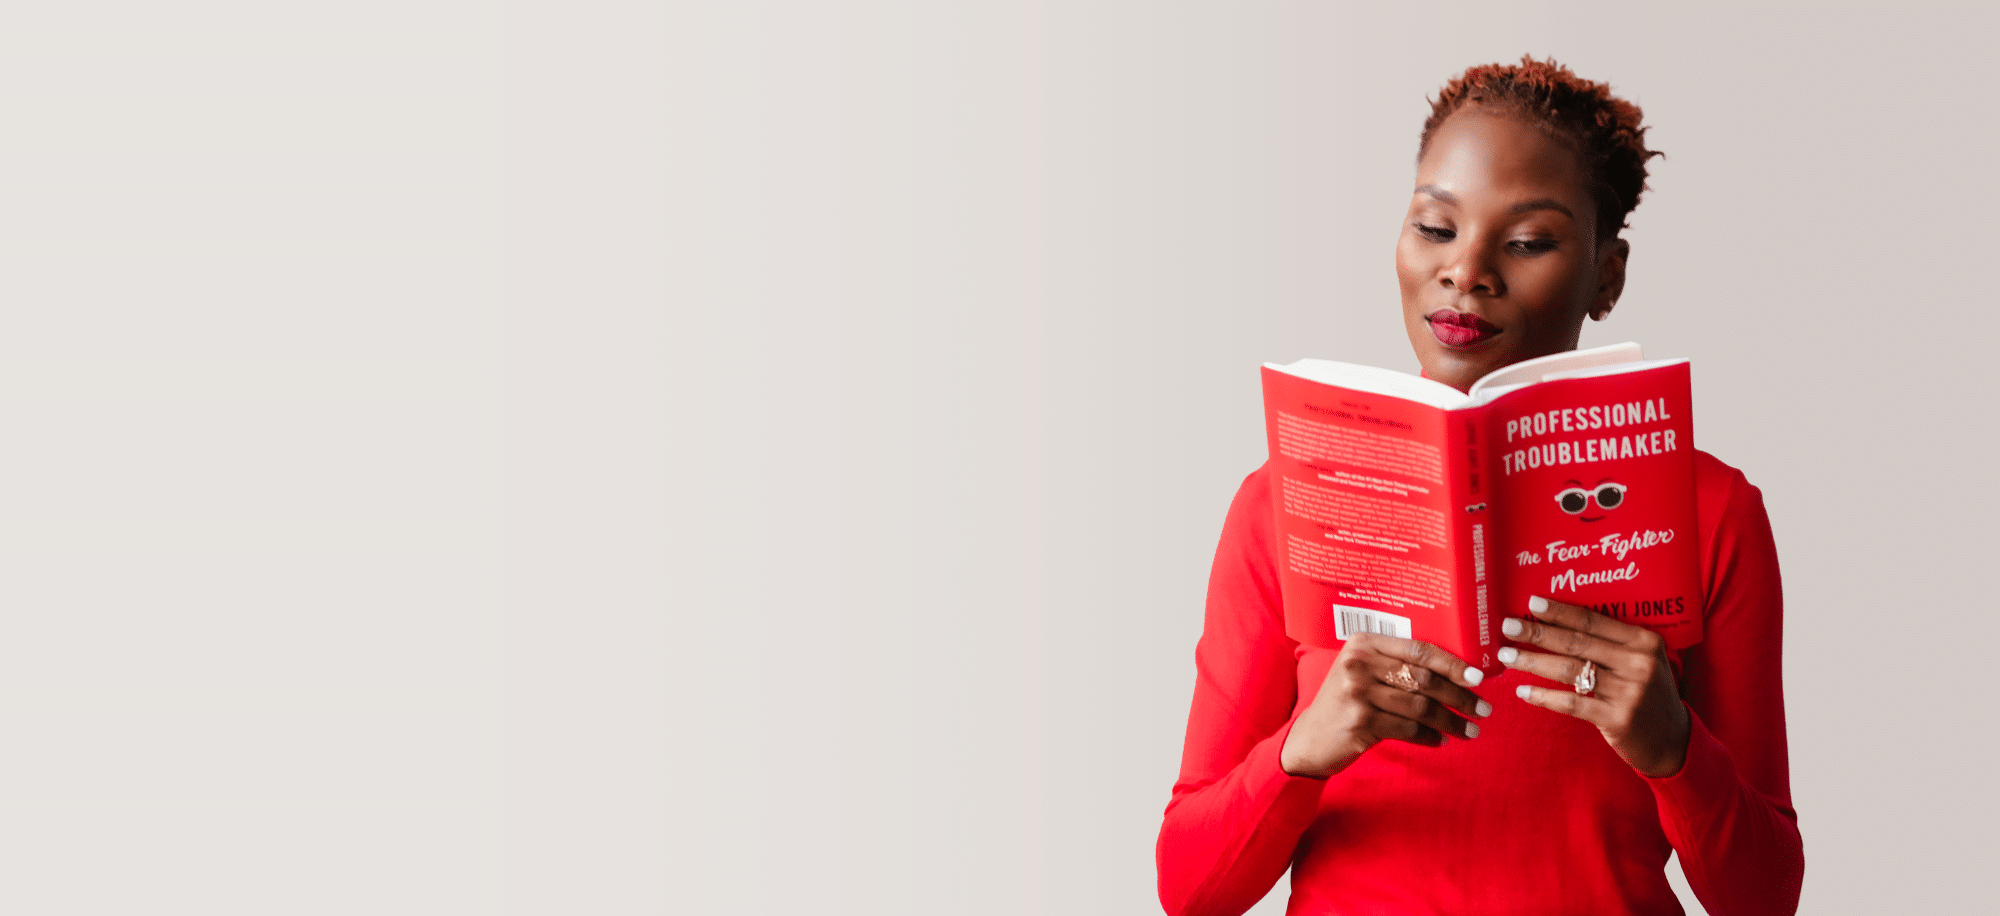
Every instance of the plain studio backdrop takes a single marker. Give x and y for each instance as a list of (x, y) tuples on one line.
[(759, 457)]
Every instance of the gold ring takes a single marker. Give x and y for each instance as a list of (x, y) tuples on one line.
[(1403, 679)]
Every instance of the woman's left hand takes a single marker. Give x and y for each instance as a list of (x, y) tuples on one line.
[(1636, 704)]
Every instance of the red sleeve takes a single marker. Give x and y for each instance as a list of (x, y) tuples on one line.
[(1236, 816), (1728, 812)]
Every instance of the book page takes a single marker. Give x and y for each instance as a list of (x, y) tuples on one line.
[(1375, 379), (1530, 371)]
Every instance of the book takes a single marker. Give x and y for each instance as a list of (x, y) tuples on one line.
[(1406, 507)]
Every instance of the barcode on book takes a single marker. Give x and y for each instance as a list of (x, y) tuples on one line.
[(1348, 621)]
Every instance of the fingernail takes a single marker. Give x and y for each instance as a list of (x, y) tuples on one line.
[(1511, 627), (1522, 691), (1484, 709), (1507, 655), (1471, 730), (1538, 604), (1473, 676)]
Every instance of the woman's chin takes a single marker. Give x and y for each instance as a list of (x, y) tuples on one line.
[(1458, 367)]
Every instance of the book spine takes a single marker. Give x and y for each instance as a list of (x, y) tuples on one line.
[(1473, 537)]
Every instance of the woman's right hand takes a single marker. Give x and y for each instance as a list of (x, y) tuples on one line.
[(1358, 704)]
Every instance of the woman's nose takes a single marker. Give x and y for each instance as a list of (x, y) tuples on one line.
[(1471, 271)]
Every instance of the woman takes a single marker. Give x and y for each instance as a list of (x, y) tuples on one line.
[(1512, 795)]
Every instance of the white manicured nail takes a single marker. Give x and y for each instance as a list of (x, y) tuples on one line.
[(1511, 627), (1538, 604), (1471, 730), (1507, 655), (1483, 709), (1522, 691), (1473, 676)]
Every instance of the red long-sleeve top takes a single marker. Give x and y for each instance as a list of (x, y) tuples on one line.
[(1535, 816)]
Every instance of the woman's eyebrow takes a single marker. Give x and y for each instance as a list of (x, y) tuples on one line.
[(1541, 203), (1439, 193)]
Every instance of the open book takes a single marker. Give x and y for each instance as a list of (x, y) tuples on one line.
[(1405, 507)]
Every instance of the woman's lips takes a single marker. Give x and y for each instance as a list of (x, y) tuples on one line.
[(1460, 329)]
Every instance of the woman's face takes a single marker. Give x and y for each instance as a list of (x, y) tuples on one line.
[(1499, 259)]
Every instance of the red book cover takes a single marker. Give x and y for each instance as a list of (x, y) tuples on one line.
[(1405, 507)]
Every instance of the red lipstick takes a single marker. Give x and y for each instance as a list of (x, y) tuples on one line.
[(1460, 329)]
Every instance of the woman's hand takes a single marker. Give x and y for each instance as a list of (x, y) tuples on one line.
[(1636, 704), (1358, 704)]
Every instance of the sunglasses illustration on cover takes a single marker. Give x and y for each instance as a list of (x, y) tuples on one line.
[(1575, 499)]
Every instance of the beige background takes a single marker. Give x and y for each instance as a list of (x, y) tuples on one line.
[(756, 457)]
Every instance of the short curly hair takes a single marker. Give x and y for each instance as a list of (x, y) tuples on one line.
[(1603, 128)]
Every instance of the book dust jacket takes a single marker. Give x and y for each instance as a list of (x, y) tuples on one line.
[(1399, 517)]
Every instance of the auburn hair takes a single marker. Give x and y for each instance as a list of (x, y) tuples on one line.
[(1603, 128)]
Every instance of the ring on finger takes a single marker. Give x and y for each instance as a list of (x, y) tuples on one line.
[(1403, 679), (1586, 680)]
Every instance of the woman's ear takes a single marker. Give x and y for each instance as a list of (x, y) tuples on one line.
[(1610, 278)]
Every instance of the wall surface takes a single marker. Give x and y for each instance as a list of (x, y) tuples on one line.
[(763, 457)]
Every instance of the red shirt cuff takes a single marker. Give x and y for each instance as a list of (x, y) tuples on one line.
[(1266, 778), (1706, 778)]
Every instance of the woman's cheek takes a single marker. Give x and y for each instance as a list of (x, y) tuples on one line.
[(1405, 273)]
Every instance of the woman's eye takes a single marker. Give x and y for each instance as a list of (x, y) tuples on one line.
[(1532, 246), (1436, 233)]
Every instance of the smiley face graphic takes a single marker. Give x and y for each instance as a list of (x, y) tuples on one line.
[(1575, 499)]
